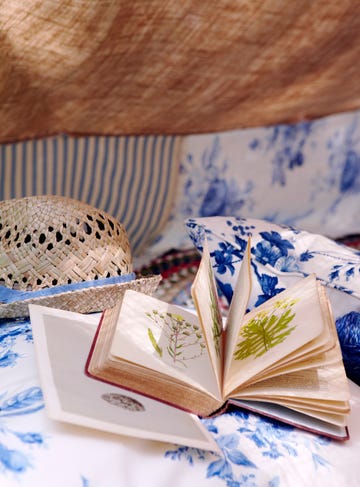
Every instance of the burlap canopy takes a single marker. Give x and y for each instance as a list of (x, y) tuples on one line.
[(170, 66)]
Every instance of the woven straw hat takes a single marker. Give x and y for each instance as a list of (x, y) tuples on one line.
[(62, 253)]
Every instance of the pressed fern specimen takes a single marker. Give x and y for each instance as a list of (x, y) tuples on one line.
[(215, 314), (265, 330), (181, 340)]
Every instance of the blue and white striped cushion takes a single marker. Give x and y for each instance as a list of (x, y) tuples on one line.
[(131, 177)]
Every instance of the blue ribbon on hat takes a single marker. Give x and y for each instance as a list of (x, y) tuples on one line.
[(8, 295)]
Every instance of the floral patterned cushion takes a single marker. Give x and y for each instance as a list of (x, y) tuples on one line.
[(305, 175), (280, 255)]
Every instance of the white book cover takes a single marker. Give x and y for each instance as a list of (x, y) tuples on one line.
[(62, 343)]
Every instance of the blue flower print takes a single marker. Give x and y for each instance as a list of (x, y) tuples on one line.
[(224, 258), (288, 143), (208, 191), (271, 248), (13, 460), (225, 289), (189, 454), (287, 264), (242, 243), (196, 233), (231, 456), (277, 241), (265, 253), (245, 437), (268, 286), (9, 333), (214, 202), (351, 172), (30, 438), (16, 446), (241, 227), (27, 401), (8, 358), (344, 161), (306, 256)]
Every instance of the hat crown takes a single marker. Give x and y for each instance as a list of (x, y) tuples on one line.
[(53, 240)]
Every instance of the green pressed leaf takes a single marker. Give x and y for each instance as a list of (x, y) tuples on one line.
[(182, 340), (264, 331), (157, 349), (215, 315)]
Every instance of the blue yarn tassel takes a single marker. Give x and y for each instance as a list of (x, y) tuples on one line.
[(348, 328)]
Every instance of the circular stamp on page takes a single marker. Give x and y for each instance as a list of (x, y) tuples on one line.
[(123, 401)]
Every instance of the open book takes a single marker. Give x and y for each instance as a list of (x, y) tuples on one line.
[(282, 358), (62, 341)]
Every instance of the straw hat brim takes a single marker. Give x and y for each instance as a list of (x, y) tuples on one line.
[(87, 300)]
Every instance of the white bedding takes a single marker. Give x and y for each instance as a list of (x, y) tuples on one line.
[(36, 451)]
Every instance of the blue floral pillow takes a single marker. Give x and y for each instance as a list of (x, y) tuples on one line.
[(255, 173), (280, 255)]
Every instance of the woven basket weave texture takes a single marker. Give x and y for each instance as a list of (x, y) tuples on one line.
[(48, 240), (170, 67)]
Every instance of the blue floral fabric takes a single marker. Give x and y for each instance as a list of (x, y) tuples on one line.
[(239, 434), (255, 452), (280, 255), (17, 443), (305, 175)]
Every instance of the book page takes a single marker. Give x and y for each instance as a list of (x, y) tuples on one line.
[(204, 294), (319, 352), (274, 330), (323, 383), (296, 418), (62, 342), (164, 338), (237, 310)]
